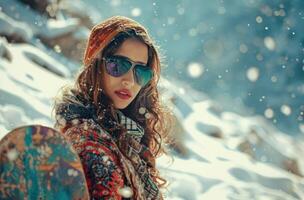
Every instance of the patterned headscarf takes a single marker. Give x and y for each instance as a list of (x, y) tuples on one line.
[(102, 34)]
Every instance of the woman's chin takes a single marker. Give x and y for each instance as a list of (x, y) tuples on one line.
[(120, 106)]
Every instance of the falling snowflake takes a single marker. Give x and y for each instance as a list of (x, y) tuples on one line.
[(269, 113), (126, 192), (269, 43), (253, 74), (12, 154), (142, 110), (286, 110), (195, 70), (136, 12), (259, 19)]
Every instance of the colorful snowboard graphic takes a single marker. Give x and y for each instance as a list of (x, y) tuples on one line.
[(37, 162)]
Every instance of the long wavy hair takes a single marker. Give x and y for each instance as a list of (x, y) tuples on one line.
[(104, 40)]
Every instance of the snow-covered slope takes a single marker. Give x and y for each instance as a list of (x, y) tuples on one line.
[(231, 156), (27, 85)]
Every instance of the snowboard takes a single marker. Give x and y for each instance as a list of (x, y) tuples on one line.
[(38, 162)]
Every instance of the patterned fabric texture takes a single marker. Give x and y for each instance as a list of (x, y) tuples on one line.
[(103, 33), (116, 164)]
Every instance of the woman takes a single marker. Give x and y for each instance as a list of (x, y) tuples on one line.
[(112, 114)]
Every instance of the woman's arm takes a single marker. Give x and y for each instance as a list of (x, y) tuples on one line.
[(103, 173)]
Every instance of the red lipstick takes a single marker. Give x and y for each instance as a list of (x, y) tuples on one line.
[(123, 94)]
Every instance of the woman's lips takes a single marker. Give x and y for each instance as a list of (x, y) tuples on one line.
[(123, 94)]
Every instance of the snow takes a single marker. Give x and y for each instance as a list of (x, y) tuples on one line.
[(38, 24), (28, 83), (228, 155), (219, 165), (10, 26)]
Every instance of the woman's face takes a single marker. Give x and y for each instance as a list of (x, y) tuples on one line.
[(116, 87)]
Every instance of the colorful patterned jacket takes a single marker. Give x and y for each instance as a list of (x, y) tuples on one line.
[(113, 170)]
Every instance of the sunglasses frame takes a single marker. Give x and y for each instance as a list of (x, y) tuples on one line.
[(132, 67)]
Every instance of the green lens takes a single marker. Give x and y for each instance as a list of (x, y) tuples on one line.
[(143, 74)]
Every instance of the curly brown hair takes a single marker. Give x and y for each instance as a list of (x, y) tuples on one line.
[(104, 40)]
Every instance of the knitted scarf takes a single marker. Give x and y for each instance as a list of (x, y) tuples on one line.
[(126, 133)]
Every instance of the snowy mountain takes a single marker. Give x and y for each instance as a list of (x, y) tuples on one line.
[(218, 154)]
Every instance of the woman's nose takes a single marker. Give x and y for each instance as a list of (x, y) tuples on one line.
[(128, 78)]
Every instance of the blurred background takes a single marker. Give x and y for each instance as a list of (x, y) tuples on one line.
[(232, 73)]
